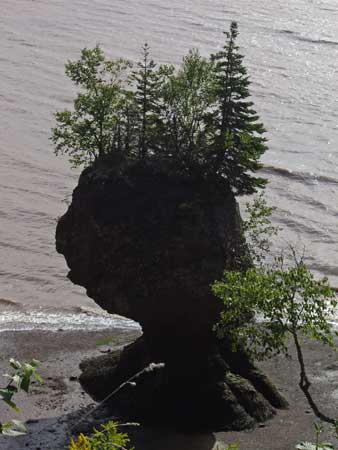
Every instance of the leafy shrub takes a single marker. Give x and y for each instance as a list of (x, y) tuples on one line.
[(311, 446), (109, 438), (317, 445), (20, 379), (288, 300), (258, 229)]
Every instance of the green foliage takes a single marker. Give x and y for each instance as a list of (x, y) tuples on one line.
[(195, 120), (265, 305), (91, 129), (311, 446), (187, 95), (13, 429), (20, 379), (109, 438), (229, 447), (258, 229), (147, 80), (317, 445), (234, 124), (288, 300)]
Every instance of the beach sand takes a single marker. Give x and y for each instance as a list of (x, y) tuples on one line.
[(57, 409)]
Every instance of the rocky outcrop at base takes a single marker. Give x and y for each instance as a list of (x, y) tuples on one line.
[(233, 395)]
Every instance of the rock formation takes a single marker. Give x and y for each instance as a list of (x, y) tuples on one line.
[(147, 245)]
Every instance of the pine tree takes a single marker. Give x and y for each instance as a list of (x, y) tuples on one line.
[(236, 133), (147, 86)]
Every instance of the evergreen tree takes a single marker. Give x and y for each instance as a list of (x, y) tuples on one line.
[(236, 133), (147, 87), (126, 136)]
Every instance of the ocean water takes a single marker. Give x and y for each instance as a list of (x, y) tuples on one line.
[(291, 52)]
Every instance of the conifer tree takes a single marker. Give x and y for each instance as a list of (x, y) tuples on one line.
[(147, 86), (237, 142), (126, 139)]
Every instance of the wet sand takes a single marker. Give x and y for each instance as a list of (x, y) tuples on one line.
[(57, 408)]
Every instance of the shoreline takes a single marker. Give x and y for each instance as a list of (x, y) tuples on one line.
[(59, 402), (15, 316)]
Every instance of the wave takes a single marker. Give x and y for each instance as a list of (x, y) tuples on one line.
[(306, 177), (317, 41), (4, 302), (326, 269), (16, 316), (41, 320), (310, 40)]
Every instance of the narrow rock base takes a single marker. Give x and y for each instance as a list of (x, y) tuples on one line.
[(227, 393)]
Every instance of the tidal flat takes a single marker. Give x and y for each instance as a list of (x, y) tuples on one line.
[(58, 408)]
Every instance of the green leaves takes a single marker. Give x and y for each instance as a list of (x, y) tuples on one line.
[(107, 438), (258, 229), (310, 446), (23, 374), (7, 394), (13, 429), (319, 428), (187, 95), (20, 379), (287, 300), (234, 124), (91, 128), (146, 98)]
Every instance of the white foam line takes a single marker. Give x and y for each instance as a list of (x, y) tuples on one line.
[(38, 320)]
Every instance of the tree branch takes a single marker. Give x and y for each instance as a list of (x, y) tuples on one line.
[(305, 383)]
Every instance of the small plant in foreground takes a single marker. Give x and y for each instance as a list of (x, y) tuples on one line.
[(317, 445), (109, 438), (20, 379), (310, 446)]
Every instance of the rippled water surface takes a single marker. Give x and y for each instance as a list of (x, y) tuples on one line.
[(291, 50)]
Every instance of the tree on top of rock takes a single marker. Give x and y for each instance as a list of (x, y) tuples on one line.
[(146, 97), (187, 95), (89, 131), (236, 133), (195, 121)]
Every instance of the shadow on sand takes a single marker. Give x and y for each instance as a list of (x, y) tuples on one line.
[(55, 433)]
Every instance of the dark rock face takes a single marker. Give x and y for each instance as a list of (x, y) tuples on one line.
[(148, 246), (229, 394)]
